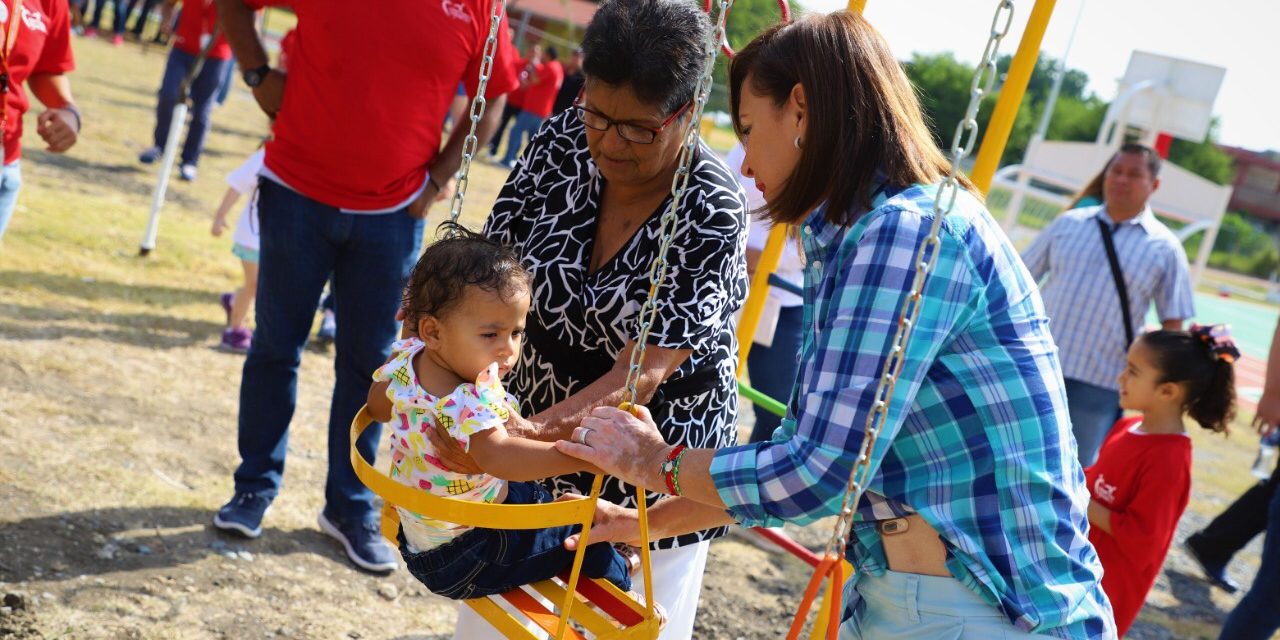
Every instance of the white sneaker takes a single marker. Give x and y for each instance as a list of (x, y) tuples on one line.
[(188, 172)]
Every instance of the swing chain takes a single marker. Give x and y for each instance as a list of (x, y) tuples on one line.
[(679, 184), (478, 104), (984, 77)]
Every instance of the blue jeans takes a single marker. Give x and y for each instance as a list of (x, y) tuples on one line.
[(10, 184), (903, 606), (202, 91), (1258, 614), (1093, 411), (118, 10), (369, 256), (483, 562), (526, 124), (773, 369)]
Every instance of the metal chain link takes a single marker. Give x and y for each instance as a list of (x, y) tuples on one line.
[(679, 183), (478, 104), (965, 137)]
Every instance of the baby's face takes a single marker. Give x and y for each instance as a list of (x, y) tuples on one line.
[(482, 329)]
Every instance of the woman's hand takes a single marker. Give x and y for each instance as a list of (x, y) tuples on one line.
[(1268, 417), (450, 452), (611, 523), (624, 445), (59, 128)]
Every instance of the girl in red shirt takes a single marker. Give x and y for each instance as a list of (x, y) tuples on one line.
[(1142, 479)]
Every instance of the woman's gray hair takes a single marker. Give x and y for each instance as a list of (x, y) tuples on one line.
[(655, 47)]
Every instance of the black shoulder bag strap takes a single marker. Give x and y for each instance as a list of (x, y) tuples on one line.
[(1119, 278)]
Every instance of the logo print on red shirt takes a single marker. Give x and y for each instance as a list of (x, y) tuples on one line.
[(456, 10), (1102, 491)]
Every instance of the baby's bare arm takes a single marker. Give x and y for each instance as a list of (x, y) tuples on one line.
[(520, 459)]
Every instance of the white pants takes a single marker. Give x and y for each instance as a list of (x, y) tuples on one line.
[(677, 585)]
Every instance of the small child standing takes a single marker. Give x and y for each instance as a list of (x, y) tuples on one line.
[(1142, 479), (237, 337), (466, 300)]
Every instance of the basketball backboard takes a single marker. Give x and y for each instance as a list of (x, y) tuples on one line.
[(1180, 101)]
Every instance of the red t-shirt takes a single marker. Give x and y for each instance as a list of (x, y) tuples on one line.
[(1145, 480), (516, 97), (43, 46), (195, 23), (542, 94), (368, 88)]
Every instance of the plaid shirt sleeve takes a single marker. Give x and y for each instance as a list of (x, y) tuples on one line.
[(800, 475)]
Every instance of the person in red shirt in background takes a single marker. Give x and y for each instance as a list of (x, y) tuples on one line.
[(1142, 479), (195, 26), (515, 99), (40, 58), (353, 165), (544, 83)]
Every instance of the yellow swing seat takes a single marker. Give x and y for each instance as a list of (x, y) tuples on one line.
[(598, 606)]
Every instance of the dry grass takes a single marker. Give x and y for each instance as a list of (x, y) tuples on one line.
[(117, 420)]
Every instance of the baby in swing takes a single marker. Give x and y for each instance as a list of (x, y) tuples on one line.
[(467, 299)]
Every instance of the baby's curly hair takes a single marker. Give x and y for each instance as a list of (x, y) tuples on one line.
[(460, 258)]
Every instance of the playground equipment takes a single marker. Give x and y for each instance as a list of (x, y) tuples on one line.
[(1157, 94)]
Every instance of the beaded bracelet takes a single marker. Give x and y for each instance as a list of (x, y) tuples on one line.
[(671, 469)]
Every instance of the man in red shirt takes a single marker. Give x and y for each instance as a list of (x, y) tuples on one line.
[(195, 26), (350, 172), (544, 82), (40, 58)]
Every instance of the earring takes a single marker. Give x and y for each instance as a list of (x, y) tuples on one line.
[(797, 143)]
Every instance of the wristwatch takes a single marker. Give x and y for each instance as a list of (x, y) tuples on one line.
[(254, 77)]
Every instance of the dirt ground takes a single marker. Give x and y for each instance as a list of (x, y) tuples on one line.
[(118, 421)]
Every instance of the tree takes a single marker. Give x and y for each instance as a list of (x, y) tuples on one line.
[(943, 85), (1204, 158), (747, 19)]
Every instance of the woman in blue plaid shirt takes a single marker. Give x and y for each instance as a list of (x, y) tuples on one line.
[(974, 523)]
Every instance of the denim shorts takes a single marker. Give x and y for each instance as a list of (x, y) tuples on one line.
[(483, 562), (245, 253)]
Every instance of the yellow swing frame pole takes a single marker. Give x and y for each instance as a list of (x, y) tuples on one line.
[(1011, 93)]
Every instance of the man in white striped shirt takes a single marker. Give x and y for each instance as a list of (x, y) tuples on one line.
[(1081, 296)]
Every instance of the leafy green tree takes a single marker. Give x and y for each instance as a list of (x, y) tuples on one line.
[(1204, 158), (747, 19)]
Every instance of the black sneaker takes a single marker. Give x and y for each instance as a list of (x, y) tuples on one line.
[(363, 541), (1216, 574), (243, 514)]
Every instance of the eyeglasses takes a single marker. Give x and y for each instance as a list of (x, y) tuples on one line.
[(628, 131)]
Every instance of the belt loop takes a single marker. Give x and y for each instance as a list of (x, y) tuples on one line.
[(913, 598)]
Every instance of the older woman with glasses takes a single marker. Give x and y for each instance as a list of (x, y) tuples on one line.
[(582, 209)]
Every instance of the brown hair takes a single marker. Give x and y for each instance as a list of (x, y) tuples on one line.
[(864, 117)]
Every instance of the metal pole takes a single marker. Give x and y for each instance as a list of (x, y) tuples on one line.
[(1042, 130), (176, 126), (1015, 85)]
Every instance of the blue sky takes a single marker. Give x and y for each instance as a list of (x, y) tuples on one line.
[(1241, 35)]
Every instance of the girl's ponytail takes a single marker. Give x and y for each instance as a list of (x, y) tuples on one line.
[(1204, 360)]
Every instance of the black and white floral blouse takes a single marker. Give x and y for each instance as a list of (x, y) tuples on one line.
[(579, 321)]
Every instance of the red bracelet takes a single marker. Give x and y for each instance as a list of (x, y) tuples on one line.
[(671, 469)]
